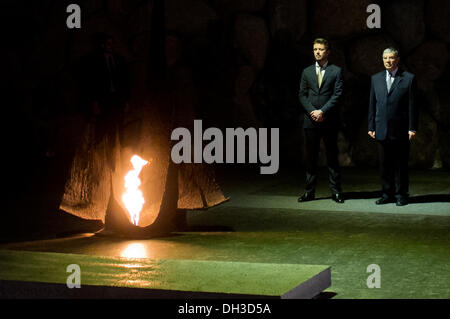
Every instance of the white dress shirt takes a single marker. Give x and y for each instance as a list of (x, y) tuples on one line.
[(323, 68)]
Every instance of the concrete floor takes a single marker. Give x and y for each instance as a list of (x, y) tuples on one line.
[(264, 223), (429, 192)]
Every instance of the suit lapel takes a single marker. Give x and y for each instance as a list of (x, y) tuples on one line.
[(326, 75), (383, 84), (312, 74)]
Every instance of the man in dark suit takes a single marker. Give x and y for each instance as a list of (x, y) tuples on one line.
[(393, 121), (321, 87)]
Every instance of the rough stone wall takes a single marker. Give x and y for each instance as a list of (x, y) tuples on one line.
[(247, 57), (244, 60)]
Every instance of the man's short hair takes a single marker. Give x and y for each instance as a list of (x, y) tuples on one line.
[(322, 41), (391, 50)]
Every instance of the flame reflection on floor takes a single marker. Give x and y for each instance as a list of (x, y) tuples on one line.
[(135, 250)]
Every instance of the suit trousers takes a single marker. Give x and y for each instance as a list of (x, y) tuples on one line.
[(313, 137), (393, 156)]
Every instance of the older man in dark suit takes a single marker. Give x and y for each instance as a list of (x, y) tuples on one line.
[(393, 121), (321, 87)]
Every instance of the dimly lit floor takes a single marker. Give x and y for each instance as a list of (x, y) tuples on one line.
[(263, 223)]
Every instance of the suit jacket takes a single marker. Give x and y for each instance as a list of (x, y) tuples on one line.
[(325, 98), (392, 114)]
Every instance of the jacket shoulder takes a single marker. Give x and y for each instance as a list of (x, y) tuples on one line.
[(307, 70), (379, 75), (408, 75), (335, 68), (310, 67)]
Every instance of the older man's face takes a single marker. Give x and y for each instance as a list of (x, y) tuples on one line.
[(390, 61)]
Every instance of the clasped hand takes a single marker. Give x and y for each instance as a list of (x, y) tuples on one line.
[(317, 116)]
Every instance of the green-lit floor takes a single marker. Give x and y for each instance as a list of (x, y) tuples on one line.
[(412, 251), (193, 276), (263, 223)]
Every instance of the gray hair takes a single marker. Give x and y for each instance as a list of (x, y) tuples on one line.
[(391, 50)]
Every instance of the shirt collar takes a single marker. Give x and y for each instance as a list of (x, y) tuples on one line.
[(393, 72), (324, 66)]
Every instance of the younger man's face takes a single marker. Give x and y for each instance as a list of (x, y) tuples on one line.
[(320, 52)]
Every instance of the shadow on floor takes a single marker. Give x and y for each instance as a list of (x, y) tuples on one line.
[(362, 195), (357, 195), (432, 198), (325, 295), (419, 199)]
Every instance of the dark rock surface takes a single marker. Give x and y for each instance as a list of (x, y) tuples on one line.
[(404, 21), (244, 58), (339, 18), (235, 63), (437, 19)]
